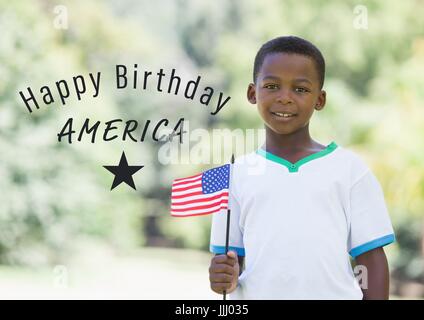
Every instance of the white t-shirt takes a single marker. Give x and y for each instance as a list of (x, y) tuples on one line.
[(297, 224)]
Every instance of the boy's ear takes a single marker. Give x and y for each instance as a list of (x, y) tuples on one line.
[(251, 93), (321, 100)]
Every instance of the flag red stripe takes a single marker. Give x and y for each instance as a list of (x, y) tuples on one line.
[(187, 188), (198, 193), (185, 182), (203, 199), (195, 214), (188, 178), (206, 206)]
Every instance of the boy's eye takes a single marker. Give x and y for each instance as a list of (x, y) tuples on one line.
[(271, 86), (301, 90)]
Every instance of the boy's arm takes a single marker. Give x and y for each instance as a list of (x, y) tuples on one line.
[(377, 274)]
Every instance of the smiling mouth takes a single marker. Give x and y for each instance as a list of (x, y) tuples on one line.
[(284, 114)]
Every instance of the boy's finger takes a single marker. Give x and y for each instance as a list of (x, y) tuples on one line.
[(221, 268), (232, 254), (224, 259), (221, 278), (220, 287)]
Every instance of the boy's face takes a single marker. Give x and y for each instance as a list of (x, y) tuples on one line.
[(287, 91)]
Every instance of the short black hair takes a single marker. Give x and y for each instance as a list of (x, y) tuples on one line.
[(294, 45)]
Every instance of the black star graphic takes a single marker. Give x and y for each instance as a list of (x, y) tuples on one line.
[(123, 172)]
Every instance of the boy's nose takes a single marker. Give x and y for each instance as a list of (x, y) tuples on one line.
[(284, 97)]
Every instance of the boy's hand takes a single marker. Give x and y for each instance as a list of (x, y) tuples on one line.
[(224, 272)]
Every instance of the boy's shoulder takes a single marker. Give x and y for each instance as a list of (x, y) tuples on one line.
[(353, 161), (248, 161), (246, 158), (352, 156)]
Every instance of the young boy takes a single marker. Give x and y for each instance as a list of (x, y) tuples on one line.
[(295, 222)]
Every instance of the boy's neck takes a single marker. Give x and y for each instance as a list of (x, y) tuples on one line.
[(296, 141)]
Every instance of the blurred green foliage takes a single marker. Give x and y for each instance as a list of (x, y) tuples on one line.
[(51, 193)]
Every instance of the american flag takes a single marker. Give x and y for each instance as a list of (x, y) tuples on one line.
[(204, 193)]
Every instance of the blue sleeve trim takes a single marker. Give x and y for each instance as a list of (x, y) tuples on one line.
[(221, 250), (377, 243)]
